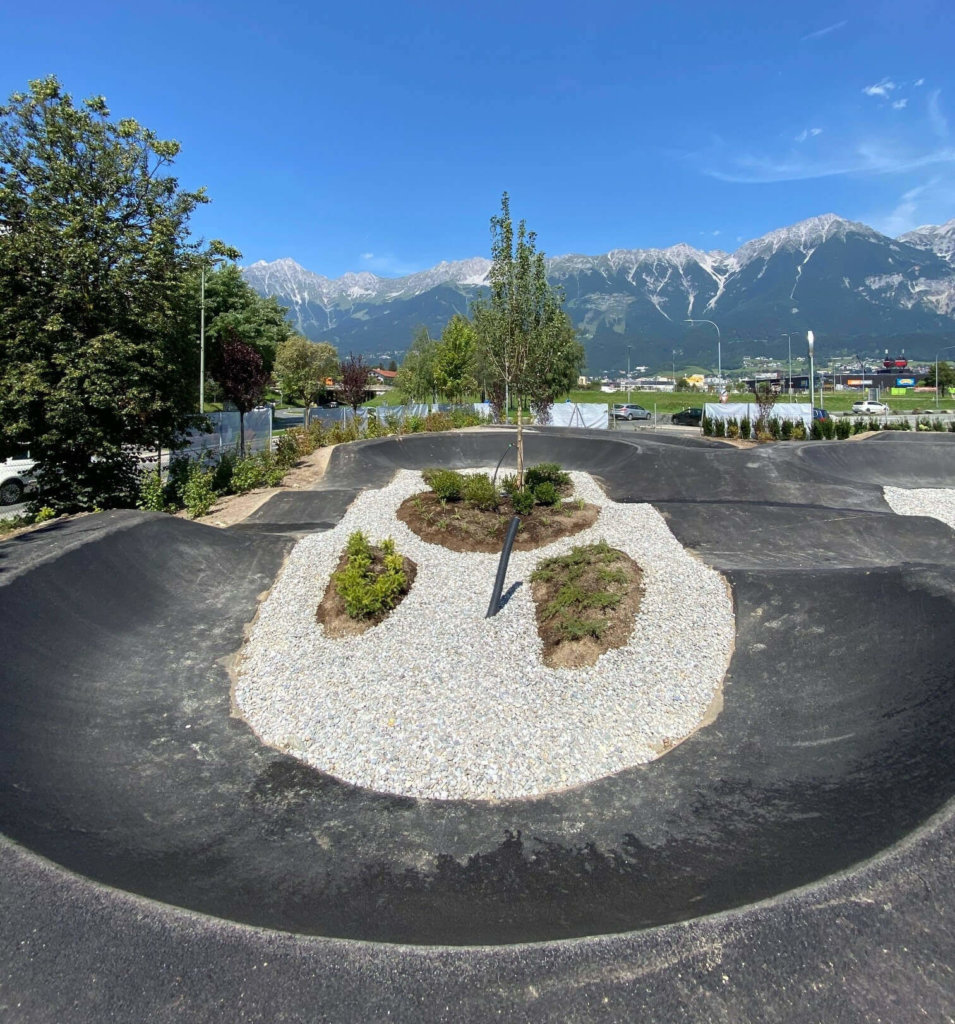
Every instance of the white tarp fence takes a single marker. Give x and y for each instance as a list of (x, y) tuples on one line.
[(591, 415), (225, 433)]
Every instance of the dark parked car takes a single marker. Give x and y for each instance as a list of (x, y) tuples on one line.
[(688, 418), (630, 412), (820, 414)]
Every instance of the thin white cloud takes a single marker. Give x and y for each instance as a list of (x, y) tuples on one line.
[(807, 133), (387, 264), (936, 118), (868, 158), (918, 82), (882, 88), (900, 104), (819, 33), (927, 203)]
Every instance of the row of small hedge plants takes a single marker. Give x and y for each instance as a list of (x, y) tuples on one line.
[(545, 484), (821, 430)]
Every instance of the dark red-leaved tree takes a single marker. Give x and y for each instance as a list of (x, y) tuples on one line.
[(243, 378), (354, 380)]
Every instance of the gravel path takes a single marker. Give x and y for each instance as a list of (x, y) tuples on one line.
[(937, 502), (439, 702)]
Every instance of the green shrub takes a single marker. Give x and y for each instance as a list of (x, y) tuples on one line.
[(436, 421), (509, 483), (828, 428), (775, 428), (465, 418), (479, 490), (222, 473), (414, 424), (368, 590), (707, 425), (732, 428), (745, 428), (339, 433), (799, 432), (545, 493), (523, 501), (152, 493), (874, 424), (198, 494), (843, 428), (786, 430), (549, 472), (447, 484), (937, 424), (317, 436), (247, 474), (859, 426), (44, 514), (176, 477), (286, 450), (719, 426)]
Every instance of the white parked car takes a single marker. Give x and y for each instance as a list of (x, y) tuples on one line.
[(874, 407), (16, 478)]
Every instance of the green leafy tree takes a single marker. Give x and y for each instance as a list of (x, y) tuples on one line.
[(455, 361), (97, 329), (524, 336), (416, 380), (233, 307), (301, 368), (946, 376)]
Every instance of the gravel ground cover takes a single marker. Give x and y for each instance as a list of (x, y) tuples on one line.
[(937, 502), (439, 702)]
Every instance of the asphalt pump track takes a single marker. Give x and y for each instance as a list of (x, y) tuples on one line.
[(789, 861)]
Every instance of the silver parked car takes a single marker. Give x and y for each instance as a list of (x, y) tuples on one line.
[(630, 412), (880, 408)]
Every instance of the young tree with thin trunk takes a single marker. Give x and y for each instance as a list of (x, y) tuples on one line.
[(523, 333), (354, 371), (243, 378), (302, 367)]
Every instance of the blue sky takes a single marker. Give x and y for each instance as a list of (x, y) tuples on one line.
[(379, 136)]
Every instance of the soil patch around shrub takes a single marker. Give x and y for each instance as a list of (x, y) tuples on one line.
[(331, 611), (585, 604), (461, 527)]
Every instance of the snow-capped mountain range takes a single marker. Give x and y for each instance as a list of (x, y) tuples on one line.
[(856, 288)]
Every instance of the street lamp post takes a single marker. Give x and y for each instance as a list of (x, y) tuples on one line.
[(937, 389), (719, 348), (628, 373), (810, 338), (789, 340), (202, 332)]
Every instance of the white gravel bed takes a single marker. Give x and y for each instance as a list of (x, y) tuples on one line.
[(937, 502), (439, 702)]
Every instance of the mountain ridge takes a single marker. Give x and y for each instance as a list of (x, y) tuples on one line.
[(848, 282)]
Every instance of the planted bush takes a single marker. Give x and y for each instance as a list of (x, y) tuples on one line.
[(545, 493), (447, 484), (523, 501), (481, 492), (549, 472), (373, 580), (198, 494)]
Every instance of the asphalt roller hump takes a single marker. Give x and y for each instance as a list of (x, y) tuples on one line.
[(789, 861)]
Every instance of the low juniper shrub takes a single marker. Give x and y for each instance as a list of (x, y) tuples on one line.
[(523, 501), (368, 589)]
